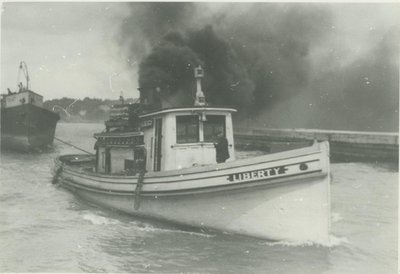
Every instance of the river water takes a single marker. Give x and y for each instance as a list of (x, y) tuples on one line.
[(44, 228)]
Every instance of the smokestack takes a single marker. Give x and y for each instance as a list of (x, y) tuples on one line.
[(200, 98)]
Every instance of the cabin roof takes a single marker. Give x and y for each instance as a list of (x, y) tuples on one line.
[(189, 108), (118, 134), (21, 92)]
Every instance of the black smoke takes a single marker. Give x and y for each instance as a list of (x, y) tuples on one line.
[(147, 23), (277, 63), (170, 67)]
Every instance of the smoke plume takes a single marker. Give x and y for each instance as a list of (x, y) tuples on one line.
[(282, 65)]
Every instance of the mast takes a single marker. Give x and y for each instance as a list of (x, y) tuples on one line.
[(200, 98), (24, 68)]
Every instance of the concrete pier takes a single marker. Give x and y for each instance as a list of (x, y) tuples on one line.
[(344, 145)]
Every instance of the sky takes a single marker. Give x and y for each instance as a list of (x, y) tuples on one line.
[(70, 49), (323, 60)]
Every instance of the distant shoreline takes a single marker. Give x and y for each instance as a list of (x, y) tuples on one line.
[(81, 122)]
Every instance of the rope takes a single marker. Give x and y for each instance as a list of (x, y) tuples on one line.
[(64, 142)]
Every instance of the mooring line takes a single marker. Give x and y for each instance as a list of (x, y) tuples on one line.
[(64, 142)]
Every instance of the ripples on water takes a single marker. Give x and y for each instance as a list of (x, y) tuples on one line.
[(47, 229)]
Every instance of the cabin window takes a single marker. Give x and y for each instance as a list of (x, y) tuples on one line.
[(212, 126), (187, 129)]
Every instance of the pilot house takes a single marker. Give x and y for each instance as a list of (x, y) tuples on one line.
[(162, 139)]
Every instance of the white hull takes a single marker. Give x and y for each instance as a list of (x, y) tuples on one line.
[(283, 196)]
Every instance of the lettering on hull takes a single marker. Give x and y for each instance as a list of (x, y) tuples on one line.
[(263, 173)]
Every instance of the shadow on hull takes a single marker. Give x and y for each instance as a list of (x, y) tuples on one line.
[(27, 128)]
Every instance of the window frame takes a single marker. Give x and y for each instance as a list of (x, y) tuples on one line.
[(223, 118), (187, 139)]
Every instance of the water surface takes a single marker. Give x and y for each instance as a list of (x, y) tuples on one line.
[(44, 228)]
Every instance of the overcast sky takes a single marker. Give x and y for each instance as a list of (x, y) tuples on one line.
[(72, 49)]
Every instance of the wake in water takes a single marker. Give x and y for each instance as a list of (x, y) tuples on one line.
[(148, 228), (153, 229), (99, 220), (139, 226), (333, 242)]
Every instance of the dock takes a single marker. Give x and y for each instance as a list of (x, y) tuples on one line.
[(344, 145)]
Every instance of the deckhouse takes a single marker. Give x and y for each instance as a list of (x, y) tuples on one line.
[(22, 97), (136, 138)]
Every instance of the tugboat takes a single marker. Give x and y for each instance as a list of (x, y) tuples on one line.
[(25, 124), (162, 164)]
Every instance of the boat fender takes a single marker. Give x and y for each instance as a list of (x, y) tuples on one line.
[(138, 189), (57, 174)]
